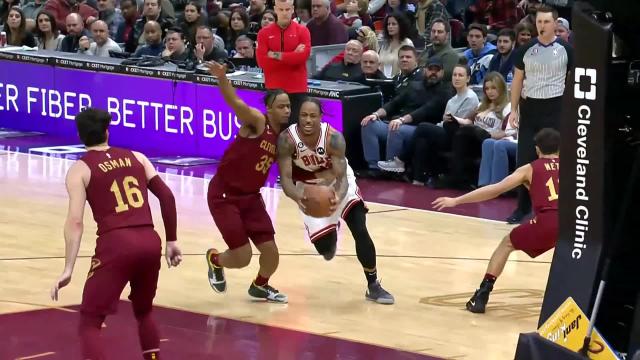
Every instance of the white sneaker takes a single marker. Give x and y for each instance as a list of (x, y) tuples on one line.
[(396, 165)]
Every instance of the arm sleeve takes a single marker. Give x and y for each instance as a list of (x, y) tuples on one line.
[(167, 206)]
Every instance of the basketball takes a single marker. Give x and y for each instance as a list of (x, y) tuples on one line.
[(318, 200)]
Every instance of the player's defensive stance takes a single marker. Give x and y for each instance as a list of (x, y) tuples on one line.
[(114, 181), (311, 151), (541, 233), (234, 192)]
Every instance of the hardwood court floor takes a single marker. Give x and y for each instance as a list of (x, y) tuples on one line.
[(431, 262)]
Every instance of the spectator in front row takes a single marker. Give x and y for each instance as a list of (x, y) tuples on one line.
[(75, 30), (324, 27), (370, 63), (440, 47), (153, 37), (47, 34), (423, 100), (479, 53), (347, 70), (487, 122), (498, 156), (431, 139), (17, 35), (101, 44), (502, 62), (175, 49), (396, 35), (205, 47)]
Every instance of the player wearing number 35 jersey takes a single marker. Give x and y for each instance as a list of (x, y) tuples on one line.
[(114, 182), (541, 233), (234, 192)]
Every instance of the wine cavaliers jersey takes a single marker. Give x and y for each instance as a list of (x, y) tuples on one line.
[(307, 162), (117, 190), (245, 165), (545, 184)]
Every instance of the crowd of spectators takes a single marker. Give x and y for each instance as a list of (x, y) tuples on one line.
[(449, 121)]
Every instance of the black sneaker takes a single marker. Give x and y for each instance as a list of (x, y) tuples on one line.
[(267, 293), (216, 274), (376, 293), (478, 302)]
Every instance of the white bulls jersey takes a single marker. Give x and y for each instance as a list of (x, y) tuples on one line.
[(307, 162)]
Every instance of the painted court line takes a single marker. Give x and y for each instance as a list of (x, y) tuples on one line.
[(36, 356), (167, 175)]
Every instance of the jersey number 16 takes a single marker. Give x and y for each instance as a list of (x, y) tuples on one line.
[(131, 191)]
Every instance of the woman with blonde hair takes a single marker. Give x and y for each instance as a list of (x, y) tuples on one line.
[(488, 121)]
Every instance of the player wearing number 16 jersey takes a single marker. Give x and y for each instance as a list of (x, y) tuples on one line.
[(114, 182), (234, 192), (541, 233)]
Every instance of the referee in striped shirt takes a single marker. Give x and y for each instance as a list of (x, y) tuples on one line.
[(540, 73)]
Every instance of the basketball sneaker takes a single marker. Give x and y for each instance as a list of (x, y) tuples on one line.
[(268, 293), (396, 165), (478, 302), (216, 274), (376, 293)]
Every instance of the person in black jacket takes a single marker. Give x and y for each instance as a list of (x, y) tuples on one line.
[(348, 69), (423, 100)]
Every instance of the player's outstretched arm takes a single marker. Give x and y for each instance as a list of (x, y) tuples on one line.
[(77, 178), (339, 161), (286, 149), (155, 184), (246, 114), (521, 176)]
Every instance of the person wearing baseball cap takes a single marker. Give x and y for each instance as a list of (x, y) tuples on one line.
[(423, 101), (563, 29)]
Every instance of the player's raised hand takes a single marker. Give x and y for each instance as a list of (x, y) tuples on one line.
[(444, 202), (173, 254), (216, 69), (62, 281)]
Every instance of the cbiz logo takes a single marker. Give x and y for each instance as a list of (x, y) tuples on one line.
[(588, 76)]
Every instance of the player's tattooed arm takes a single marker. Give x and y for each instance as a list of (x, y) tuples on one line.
[(339, 161), (286, 149)]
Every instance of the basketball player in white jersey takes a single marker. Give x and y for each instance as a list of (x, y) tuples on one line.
[(312, 152)]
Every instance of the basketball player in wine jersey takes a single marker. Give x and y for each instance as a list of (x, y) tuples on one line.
[(114, 182), (312, 152), (541, 233), (234, 192)]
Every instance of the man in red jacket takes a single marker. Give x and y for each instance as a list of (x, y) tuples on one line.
[(282, 53)]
